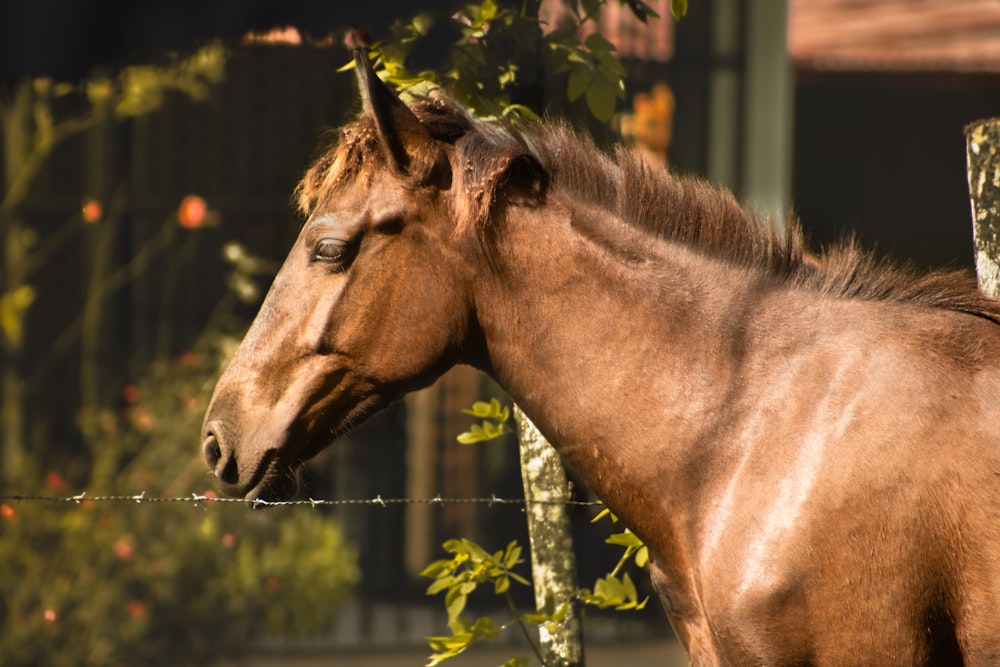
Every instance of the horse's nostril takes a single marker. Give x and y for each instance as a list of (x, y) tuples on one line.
[(220, 459), (212, 451)]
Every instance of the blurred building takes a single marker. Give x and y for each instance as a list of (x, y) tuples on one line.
[(845, 113)]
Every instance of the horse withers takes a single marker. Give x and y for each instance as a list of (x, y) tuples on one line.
[(810, 448)]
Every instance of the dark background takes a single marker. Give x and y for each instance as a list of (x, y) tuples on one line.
[(64, 39)]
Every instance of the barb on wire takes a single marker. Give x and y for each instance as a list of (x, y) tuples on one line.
[(378, 500)]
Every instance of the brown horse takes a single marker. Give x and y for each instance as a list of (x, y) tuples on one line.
[(809, 447)]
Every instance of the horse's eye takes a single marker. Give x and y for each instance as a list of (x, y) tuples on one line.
[(331, 251)]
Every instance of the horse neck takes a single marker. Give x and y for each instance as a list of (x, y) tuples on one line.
[(618, 346)]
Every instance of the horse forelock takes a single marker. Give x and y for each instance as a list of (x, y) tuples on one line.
[(484, 152), (355, 152)]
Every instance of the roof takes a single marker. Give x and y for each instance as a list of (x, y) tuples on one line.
[(895, 35)]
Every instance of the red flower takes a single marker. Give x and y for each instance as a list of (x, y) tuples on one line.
[(193, 212), (7, 512), (130, 393), (123, 550), (137, 609), (142, 419), (56, 482), (91, 211)]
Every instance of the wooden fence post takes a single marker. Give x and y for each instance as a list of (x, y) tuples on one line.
[(553, 563), (982, 143)]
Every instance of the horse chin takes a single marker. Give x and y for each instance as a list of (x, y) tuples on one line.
[(278, 482)]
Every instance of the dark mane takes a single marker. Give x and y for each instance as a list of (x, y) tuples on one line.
[(681, 209)]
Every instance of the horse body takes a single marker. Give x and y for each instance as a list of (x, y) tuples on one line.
[(808, 448), (801, 470)]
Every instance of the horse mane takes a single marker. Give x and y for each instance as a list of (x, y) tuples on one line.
[(681, 209)]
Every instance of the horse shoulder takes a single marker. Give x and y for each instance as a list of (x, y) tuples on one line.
[(865, 456)]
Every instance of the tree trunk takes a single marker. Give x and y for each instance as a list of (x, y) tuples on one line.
[(553, 564), (983, 152)]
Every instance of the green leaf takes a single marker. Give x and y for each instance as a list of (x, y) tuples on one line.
[(487, 12), (440, 585), (601, 102), (678, 8), (630, 592), (479, 409), (471, 549), (641, 10), (422, 23), (610, 68), (625, 538), (473, 435), (536, 618), (613, 592), (492, 410), (453, 545), (487, 430), (579, 81), (518, 578), (597, 43), (591, 9), (519, 112), (446, 648), (456, 607), (493, 430), (437, 568), (484, 628), (14, 305), (519, 661), (512, 556)]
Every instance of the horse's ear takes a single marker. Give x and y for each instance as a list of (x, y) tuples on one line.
[(407, 145), (524, 180)]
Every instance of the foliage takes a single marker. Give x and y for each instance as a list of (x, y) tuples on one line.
[(112, 583), (612, 591), (459, 577), (496, 59), (14, 304), (162, 584), (34, 122), (493, 425), (472, 565)]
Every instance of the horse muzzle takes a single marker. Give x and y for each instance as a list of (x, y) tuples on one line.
[(252, 474)]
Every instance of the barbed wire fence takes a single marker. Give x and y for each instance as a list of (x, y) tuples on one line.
[(196, 498)]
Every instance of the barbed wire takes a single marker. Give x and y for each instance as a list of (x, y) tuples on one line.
[(378, 501)]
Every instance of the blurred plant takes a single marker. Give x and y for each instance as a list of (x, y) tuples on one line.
[(471, 565), (33, 123), (612, 591), (458, 578), (122, 584), (494, 422), (498, 60), (162, 584)]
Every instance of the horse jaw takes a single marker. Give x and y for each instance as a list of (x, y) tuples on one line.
[(256, 441)]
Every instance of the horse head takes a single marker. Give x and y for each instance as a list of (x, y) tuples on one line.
[(375, 298)]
